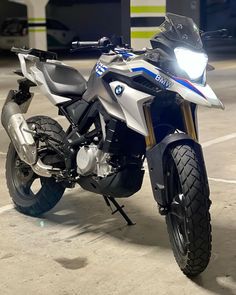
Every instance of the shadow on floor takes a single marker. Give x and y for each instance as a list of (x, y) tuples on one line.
[(220, 275), (89, 214)]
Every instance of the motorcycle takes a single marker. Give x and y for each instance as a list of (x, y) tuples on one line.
[(136, 106)]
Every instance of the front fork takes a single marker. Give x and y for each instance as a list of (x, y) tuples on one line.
[(151, 138), (187, 120)]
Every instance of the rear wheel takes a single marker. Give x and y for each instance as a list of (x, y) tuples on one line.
[(188, 220), (32, 194)]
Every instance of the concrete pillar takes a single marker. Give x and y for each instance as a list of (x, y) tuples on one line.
[(146, 15), (36, 11)]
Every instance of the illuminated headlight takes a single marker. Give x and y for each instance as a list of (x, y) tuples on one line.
[(193, 63)]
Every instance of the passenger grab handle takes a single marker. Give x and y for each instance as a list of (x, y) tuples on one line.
[(41, 54)]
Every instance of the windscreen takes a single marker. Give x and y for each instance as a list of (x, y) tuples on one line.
[(182, 29)]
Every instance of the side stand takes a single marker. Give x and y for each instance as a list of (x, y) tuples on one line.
[(119, 209)]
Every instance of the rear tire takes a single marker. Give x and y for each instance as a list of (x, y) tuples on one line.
[(20, 177), (188, 221)]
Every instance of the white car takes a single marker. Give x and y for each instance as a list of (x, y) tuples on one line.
[(14, 32)]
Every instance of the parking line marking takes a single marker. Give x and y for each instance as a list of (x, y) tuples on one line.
[(11, 206), (58, 118), (6, 208), (6, 76), (3, 154), (222, 180), (219, 140), (229, 181)]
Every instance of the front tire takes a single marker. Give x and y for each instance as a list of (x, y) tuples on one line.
[(188, 220), (21, 178)]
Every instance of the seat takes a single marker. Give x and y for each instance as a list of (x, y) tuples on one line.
[(63, 80)]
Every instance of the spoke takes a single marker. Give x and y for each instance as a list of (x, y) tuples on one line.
[(176, 207), (28, 181)]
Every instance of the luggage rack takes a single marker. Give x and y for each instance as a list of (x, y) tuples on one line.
[(41, 54)]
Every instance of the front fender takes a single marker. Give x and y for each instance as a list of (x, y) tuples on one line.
[(157, 158)]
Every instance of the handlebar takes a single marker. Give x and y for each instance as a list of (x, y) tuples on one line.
[(103, 42), (78, 44), (105, 45)]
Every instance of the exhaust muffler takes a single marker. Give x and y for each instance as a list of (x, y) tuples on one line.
[(21, 136)]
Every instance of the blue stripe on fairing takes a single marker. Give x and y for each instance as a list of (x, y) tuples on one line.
[(153, 75), (100, 69), (126, 55), (181, 81), (188, 85)]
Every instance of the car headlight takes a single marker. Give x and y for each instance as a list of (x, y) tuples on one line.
[(193, 63)]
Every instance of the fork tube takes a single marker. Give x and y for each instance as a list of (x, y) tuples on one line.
[(188, 119), (150, 139)]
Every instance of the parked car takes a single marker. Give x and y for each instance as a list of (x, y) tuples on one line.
[(14, 32)]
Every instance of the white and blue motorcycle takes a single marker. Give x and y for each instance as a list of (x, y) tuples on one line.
[(135, 106)]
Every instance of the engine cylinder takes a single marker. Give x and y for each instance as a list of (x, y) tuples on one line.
[(86, 160)]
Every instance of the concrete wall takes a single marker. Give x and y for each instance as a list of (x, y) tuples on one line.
[(92, 19), (10, 9), (146, 16), (89, 19), (189, 8)]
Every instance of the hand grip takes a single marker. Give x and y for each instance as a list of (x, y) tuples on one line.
[(223, 33)]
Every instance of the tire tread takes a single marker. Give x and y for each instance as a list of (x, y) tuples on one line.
[(195, 188)]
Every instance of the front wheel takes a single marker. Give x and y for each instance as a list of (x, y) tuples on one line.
[(188, 220)]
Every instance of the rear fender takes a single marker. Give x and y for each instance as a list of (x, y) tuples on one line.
[(22, 96), (157, 158)]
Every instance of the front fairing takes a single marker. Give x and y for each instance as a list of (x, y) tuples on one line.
[(179, 33), (193, 92), (196, 93)]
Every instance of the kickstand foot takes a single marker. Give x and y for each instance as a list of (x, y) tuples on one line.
[(119, 209)]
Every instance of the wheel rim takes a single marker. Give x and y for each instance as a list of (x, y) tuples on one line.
[(23, 178), (178, 225), (177, 212)]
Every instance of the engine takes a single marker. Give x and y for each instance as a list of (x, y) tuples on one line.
[(91, 160)]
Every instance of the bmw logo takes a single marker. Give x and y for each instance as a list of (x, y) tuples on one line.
[(119, 90)]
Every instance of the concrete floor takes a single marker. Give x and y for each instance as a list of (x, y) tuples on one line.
[(80, 248)]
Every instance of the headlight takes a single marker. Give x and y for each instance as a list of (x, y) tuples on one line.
[(193, 63)]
